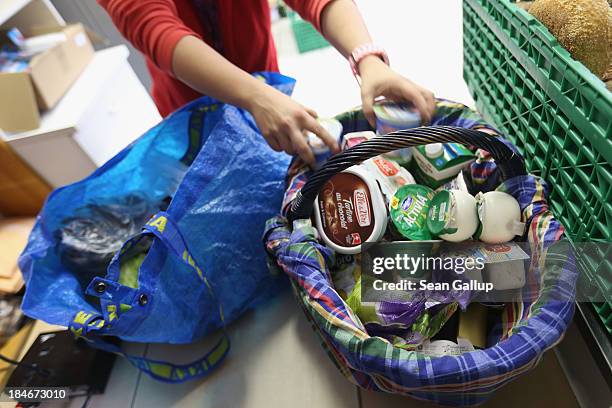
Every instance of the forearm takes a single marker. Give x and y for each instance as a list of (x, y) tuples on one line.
[(343, 26), (201, 67)]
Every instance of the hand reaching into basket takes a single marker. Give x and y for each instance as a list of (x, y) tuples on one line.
[(377, 79), (284, 122), (343, 26)]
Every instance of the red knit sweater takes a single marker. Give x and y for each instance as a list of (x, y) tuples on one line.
[(155, 26)]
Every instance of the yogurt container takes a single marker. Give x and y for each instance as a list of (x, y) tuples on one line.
[(389, 174), (320, 150), (408, 208), (350, 210), (452, 215), (391, 117), (353, 139), (458, 183), (500, 217)]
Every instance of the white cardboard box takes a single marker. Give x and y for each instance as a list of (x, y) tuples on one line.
[(105, 110)]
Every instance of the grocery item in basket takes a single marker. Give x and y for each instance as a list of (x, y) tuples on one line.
[(452, 215), (440, 348), (500, 217), (506, 275), (581, 26), (505, 265), (438, 163), (390, 175), (473, 325), (350, 210), (345, 273), (321, 151), (391, 117), (353, 139), (458, 183), (405, 318), (409, 207), (402, 156)]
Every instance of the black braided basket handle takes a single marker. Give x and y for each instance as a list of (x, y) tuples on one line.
[(510, 163)]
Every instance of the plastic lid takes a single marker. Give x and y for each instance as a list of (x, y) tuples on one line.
[(316, 144), (333, 126), (434, 150), (408, 208), (400, 114)]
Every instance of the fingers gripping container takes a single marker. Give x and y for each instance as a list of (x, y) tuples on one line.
[(374, 363)]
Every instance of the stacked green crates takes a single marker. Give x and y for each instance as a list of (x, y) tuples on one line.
[(560, 116), (306, 36)]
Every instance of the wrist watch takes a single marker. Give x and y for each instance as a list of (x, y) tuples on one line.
[(363, 51)]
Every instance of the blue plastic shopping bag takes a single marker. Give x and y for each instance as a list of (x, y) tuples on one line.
[(191, 197)]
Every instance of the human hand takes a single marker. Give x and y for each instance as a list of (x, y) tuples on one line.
[(284, 123), (377, 79)]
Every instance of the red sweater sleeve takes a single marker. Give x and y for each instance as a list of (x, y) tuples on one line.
[(152, 26), (309, 10)]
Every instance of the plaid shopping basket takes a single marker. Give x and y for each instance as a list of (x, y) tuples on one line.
[(530, 326)]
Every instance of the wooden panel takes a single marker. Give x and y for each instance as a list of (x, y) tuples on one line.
[(22, 191), (18, 108)]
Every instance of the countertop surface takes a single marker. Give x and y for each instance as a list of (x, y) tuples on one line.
[(276, 361)]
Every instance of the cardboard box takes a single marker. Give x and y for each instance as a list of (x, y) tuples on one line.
[(50, 75), (14, 234), (22, 191)]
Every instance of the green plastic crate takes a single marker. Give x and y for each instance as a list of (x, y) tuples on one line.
[(558, 114), (306, 36)]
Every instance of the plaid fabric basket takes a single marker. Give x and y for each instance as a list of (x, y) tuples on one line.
[(530, 326)]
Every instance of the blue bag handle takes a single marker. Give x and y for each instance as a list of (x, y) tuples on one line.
[(165, 230)]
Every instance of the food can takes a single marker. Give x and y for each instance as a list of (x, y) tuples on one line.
[(391, 117), (319, 149)]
